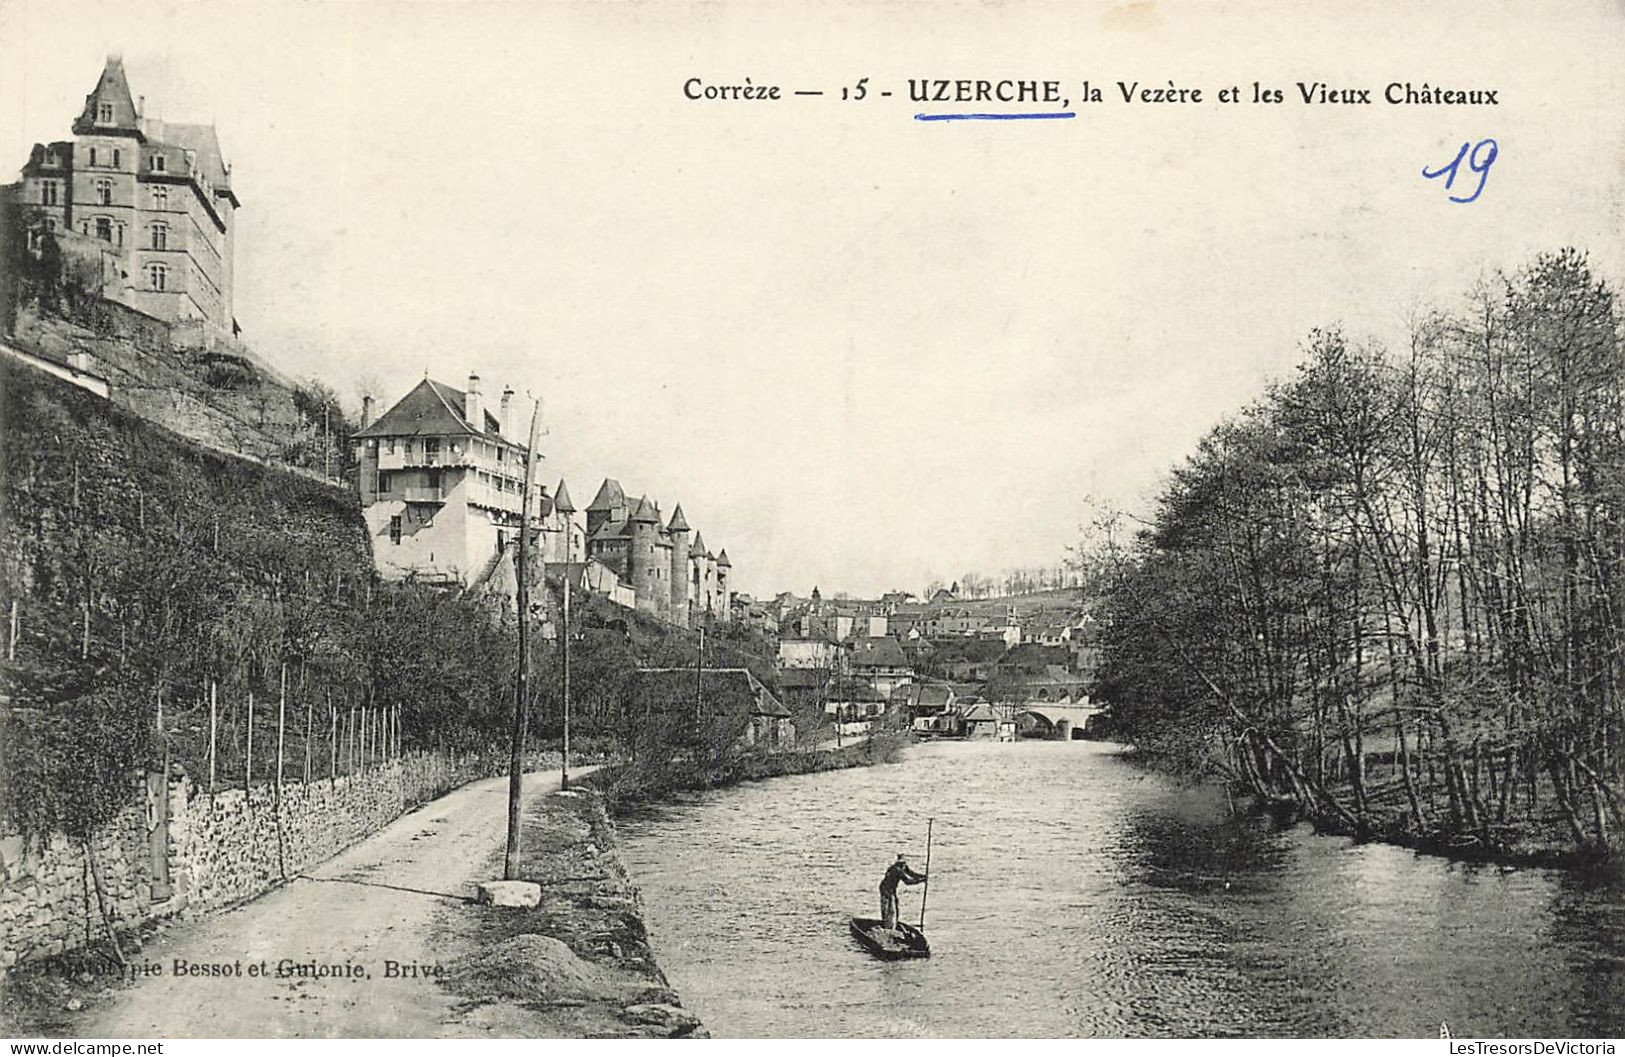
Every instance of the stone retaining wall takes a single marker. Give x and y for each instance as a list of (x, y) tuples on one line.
[(224, 847)]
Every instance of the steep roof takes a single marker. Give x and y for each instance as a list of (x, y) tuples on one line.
[(855, 690), (561, 499), (722, 559), (611, 530), (645, 511), (803, 678), (431, 409), (697, 548), (878, 653), (609, 496), (731, 693), (201, 140), (113, 88), (981, 713), (678, 523)]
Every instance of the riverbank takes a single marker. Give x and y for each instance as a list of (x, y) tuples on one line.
[(576, 965), (1515, 842), (626, 786)]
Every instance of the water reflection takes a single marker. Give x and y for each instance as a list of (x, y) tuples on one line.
[(1073, 894)]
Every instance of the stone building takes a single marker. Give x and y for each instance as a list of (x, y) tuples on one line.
[(675, 578), (152, 198), (441, 480)]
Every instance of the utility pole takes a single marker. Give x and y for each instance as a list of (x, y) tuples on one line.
[(516, 764), (699, 685), (564, 637)]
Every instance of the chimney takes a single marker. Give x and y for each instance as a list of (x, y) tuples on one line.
[(471, 403), (366, 409), (506, 418), (141, 106)]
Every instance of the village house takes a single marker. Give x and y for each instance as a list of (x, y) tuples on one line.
[(805, 687), (795, 652), (855, 699), (981, 723), (882, 663), (146, 205), (734, 710), (441, 482)]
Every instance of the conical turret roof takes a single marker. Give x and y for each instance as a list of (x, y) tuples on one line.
[(722, 559), (561, 499), (609, 496), (697, 549), (644, 511), (678, 523), (112, 91)]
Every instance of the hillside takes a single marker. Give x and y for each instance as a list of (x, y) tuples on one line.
[(212, 390)]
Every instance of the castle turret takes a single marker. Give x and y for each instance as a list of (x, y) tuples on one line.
[(699, 577), (725, 594), (642, 562), (565, 509), (677, 530)]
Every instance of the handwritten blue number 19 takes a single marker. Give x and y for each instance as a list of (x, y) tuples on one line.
[(1482, 168)]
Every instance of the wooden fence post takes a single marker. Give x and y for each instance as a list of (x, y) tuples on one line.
[(11, 644), (333, 740), (281, 721), (248, 762), (213, 718), (310, 717)]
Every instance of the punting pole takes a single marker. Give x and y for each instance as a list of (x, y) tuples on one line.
[(926, 893)]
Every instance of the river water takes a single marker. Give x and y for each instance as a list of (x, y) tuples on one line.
[(1073, 894)]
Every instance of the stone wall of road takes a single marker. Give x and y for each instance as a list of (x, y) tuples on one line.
[(222, 848)]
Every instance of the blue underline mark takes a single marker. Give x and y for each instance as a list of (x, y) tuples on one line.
[(1052, 116)]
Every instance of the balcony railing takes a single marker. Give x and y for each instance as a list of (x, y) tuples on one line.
[(422, 494)]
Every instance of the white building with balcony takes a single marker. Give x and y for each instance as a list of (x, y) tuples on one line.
[(441, 481)]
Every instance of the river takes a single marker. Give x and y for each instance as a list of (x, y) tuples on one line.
[(1073, 894)]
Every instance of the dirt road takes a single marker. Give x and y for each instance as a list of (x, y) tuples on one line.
[(366, 907)]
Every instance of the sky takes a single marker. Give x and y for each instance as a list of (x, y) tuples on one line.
[(861, 350)]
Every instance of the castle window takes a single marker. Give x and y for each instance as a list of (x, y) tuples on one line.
[(158, 275), (160, 198), (160, 236), (93, 155), (395, 530), (115, 158), (104, 229), (47, 192), (104, 192), (431, 449), (104, 114), (158, 163), (384, 483), (389, 445)]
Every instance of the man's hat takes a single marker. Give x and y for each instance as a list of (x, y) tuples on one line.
[(901, 857)]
